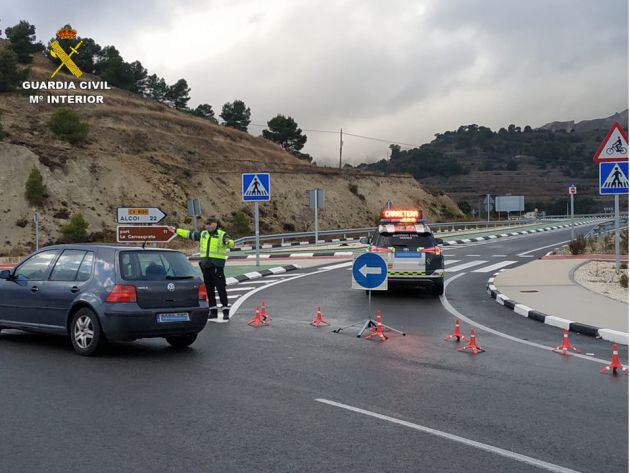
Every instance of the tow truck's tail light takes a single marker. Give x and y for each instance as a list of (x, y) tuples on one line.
[(203, 292), (378, 249), (436, 250), (122, 293)]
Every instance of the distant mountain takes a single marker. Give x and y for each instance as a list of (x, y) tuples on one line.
[(597, 124), (539, 163)]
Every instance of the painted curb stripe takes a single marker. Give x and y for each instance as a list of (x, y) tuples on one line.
[(613, 336)]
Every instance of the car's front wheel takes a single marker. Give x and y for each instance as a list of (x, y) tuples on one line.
[(85, 332), (182, 341)]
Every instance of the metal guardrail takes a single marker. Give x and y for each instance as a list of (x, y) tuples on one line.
[(439, 227)]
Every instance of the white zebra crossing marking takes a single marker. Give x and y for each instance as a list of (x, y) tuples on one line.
[(465, 266), (494, 267), (447, 262)]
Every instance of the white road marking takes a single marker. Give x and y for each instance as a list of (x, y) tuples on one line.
[(451, 261), (240, 288), (543, 465), (337, 266), (473, 255), (499, 256), (465, 266), (447, 305), (494, 267), (543, 247)]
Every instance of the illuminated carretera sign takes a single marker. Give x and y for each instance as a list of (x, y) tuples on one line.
[(402, 215)]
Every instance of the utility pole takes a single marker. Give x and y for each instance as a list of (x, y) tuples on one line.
[(36, 221), (340, 146)]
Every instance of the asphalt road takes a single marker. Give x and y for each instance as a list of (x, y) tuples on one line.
[(245, 399)]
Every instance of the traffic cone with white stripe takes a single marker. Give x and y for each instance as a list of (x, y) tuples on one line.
[(257, 319), (378, 330), (615, 364), (319, 320), (564, 348), (457, 335), (472, 346)]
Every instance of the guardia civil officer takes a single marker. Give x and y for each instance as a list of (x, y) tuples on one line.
[(213, 248)]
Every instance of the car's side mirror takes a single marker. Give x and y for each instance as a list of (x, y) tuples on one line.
[(5, 274), (364, 240), (439, 241)]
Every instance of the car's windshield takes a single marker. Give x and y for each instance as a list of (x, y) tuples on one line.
[(404, 241), (147, 265)]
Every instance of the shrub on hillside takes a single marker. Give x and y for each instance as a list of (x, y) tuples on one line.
[(75, 231), (10, 75), (239, 226), (577, 246), (35, 189), (623, 280), (2, 133), (67, 125)]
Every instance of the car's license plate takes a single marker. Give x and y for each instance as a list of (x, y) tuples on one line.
[(173, 317)]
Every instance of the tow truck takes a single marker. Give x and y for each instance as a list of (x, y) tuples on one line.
[(413, 255)]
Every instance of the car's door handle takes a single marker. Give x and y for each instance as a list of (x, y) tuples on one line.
[(74, 289), (34, 289)]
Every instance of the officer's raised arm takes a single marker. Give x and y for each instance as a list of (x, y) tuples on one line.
[(182, 232)]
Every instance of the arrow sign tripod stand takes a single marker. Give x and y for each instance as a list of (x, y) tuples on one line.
[(368, 324)]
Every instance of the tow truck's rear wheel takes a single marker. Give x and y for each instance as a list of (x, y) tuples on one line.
[(438, 288)]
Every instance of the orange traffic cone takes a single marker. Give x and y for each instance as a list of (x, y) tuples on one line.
[(263, 313), (319, 320), (472, 346), (457, 334), (378, 330), (615, 364), (257, 319), (564, 348)]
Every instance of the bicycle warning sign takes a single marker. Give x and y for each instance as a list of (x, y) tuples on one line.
[(614, 148)]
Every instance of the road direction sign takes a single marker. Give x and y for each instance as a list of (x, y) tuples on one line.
[(141, 234), (140, 215), (614, 147), (256, 187), (369, 272), (613, 178), (572, 189)]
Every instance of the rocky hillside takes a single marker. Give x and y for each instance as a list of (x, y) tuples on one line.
[(538, 163), (139, 152)]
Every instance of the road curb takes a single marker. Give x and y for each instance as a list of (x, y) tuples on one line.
[(578, 327), (522, 232), (233, 280)]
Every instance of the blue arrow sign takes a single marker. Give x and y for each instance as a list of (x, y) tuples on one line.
[(369, 271), (256, 187), (613, 178)]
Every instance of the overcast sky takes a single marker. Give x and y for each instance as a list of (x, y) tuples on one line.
[(401, 70)]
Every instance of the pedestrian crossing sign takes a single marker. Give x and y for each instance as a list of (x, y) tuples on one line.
[(256, 187), (613, 178)]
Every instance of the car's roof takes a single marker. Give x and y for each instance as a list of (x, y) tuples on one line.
[(115, 246)]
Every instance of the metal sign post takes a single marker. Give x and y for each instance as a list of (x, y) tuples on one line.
[(617, 254), (316, 202), (36, 221), (256, 187), (572, 192), (256, 223)]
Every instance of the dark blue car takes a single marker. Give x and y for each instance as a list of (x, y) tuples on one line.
[(95, 293)]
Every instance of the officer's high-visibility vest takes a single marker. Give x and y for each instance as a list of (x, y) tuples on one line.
[(210, 245)]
